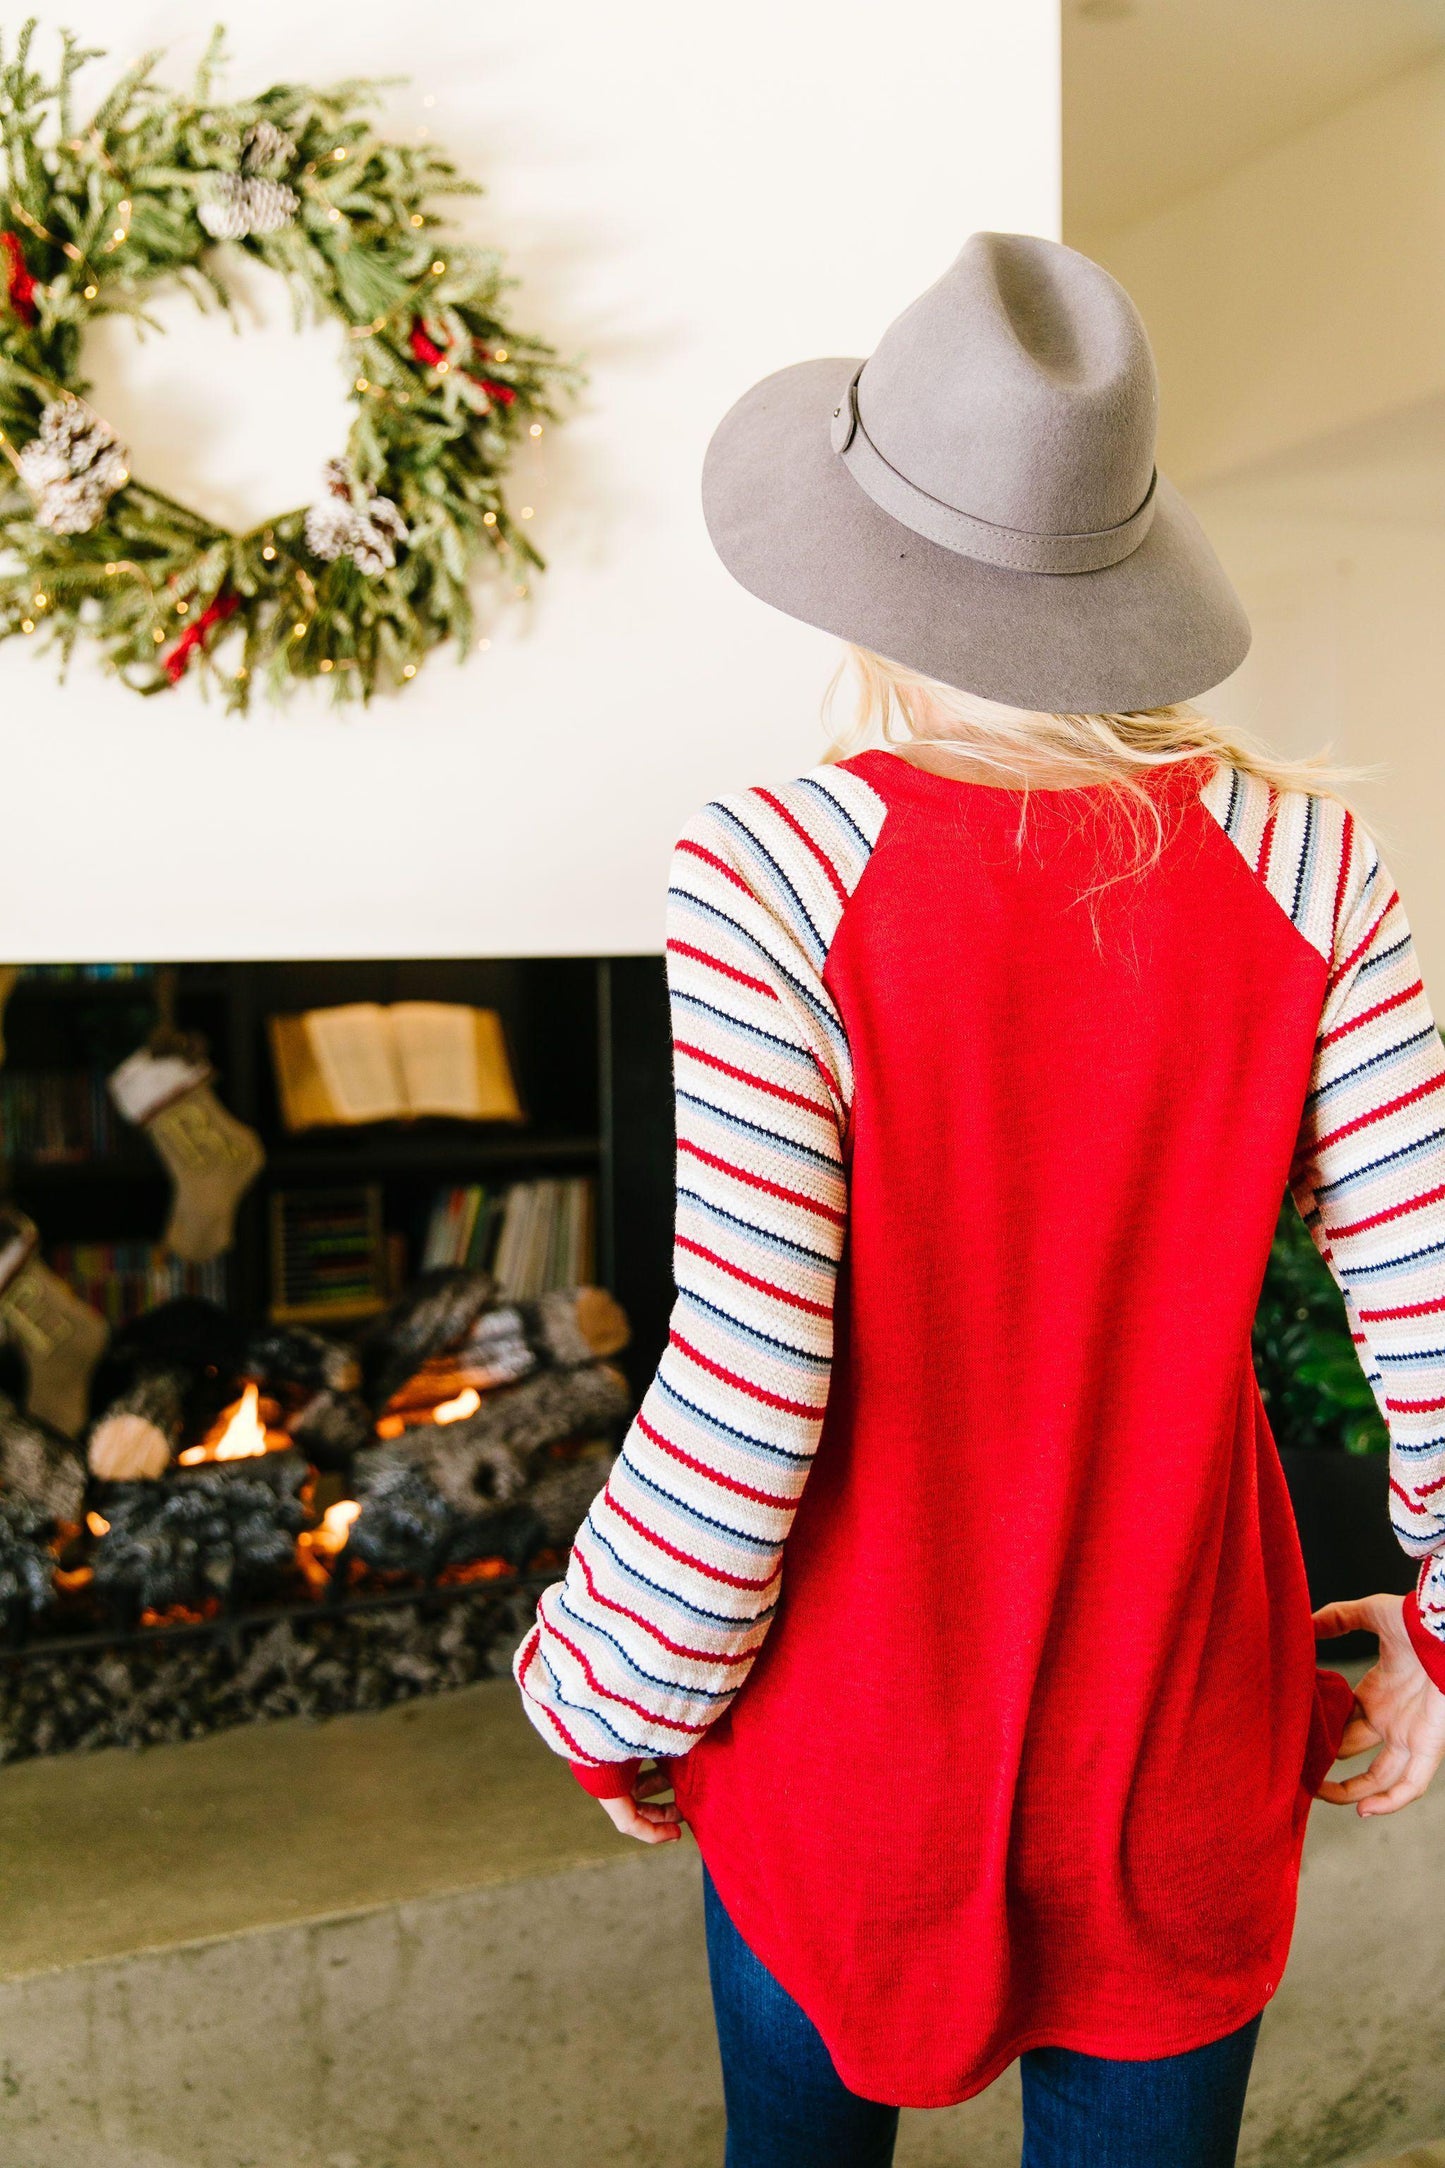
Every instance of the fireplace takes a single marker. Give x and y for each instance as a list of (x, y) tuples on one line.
[(292, 1495)]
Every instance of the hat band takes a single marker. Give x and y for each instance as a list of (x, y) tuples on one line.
[(1017, 549)]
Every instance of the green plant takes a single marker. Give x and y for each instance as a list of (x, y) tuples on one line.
[(1309, 1372)]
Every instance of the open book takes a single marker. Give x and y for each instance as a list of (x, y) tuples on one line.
[(366, 1063)]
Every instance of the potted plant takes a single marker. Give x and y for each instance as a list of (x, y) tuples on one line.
[(1331, 1437)]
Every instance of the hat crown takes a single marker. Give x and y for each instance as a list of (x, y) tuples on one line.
[(1019, 389)]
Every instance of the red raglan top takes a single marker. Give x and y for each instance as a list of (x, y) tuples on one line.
[(949, 1556)]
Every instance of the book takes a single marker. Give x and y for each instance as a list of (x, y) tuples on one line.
[(531, 1236), (122, 1279), (366, 1062)]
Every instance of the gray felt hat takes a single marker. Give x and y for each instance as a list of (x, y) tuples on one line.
[(978, 499)]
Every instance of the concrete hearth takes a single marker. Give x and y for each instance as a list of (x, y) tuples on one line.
[(407, 1939)]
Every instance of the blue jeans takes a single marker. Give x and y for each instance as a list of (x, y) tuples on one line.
[(788, 2108)]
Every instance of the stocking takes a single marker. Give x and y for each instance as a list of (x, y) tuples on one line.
[(211, 1157), (59, 1336)]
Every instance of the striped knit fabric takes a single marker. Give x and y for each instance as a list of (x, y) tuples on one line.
[(1369, 1179), (674, 1578)]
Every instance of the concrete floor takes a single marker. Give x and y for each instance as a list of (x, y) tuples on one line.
[(408, 1941)]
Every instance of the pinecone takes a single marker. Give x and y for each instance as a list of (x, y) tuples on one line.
[(72, 468), (234, 207), (368, 533), (222, 211), (270, 205), (330, 527), (378, 530), (267, 151)]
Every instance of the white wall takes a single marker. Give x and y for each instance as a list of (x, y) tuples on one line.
[(691, 197), (1304, 292)]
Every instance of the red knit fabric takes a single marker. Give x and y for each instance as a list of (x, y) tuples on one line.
[(1028, 1752), (605, 1780)]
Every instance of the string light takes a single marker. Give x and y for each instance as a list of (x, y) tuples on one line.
[(298, 632), (27, 624), (526, 511), (111, 570), (334, 215), (535, 430), (489, 519), (268, 551), (325, 663), (362, 384), (417, 219), (408, 669), (158, 636), (40, 602), (181, 607), (438, 267), (338, 154), (90, 292), (501, 354)]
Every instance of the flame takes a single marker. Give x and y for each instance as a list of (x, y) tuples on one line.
[(336, 1524), (97, 1524), (467, 1402), (238, 1434)]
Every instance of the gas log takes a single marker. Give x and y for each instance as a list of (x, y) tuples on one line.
[(212, 1535), (38, 1467)]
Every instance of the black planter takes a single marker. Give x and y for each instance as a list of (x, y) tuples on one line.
[(1342, 1510)]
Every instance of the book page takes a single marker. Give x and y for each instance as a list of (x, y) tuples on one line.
[(454, 1061), (356, 1055), (305, 1101)]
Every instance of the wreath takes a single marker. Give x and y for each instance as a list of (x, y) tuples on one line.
[(358, 586)]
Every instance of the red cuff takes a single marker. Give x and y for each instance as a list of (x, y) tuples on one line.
[(1428, 1647), (615, 1779)]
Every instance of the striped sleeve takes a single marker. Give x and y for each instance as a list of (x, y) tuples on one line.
[(674, 1577), (1369, 1181)]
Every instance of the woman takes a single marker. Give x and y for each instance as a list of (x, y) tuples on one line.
[(949, 1568)]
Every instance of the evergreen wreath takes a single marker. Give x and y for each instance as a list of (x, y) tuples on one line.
[(358, 586)]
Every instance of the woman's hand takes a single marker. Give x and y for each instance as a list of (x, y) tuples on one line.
[(1398, 1708), (635, 1815)]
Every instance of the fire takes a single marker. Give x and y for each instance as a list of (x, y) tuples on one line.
[(317, 1548), (239, 1433), (466, 1403), (336, 1525), (97, 1524)]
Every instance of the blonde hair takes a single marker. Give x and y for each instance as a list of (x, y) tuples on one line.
[(1119, 750)]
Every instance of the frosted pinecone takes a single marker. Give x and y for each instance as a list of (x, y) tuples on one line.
[(368, 533), (379, 529), (234, 208), (222, 210), (270, 205), (267, 150), (330, 528), (72, 468)]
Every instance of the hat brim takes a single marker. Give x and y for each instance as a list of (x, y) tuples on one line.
[(794, 528)]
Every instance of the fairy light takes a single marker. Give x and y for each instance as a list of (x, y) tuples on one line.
[(489, 519), (40, 601), (526, 511), (111, 570), (339, 153), (182, 606), (121, 229), (298, 632), (408, 669), (501, 354), (324, 664), (90, 292), (443, 368), (483, 645), (363, 383), (535, 430), (417, 219), (123, 476), (27, 624), (438, 267), (268, 551), (334, 215), (158, 636)]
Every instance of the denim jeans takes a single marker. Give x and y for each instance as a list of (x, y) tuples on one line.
[(788, 2108)]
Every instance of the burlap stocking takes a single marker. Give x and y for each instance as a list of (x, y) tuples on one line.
[(59, 1336), (211, 1157)]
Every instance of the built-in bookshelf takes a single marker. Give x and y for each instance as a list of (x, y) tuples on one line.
[(589, 1166)]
